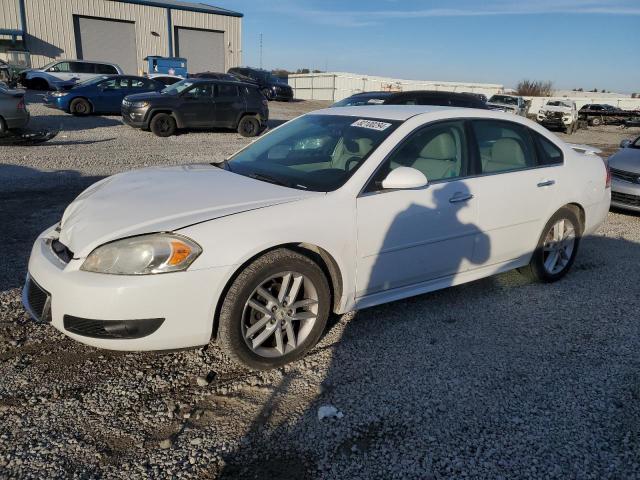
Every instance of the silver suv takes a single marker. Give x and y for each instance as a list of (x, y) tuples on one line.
[(64, 73)]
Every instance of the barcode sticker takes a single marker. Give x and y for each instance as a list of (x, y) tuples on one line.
[(371, 124)]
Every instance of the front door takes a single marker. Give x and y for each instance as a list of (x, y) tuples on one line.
[(112, 92), (406, 237), (197, 107)]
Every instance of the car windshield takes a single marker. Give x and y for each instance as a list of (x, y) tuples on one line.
[(359, 100), (91, 81), (178, 88), (504, 99), (314, 152), (558, 103)]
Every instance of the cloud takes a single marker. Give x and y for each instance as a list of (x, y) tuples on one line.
[(367, 18)]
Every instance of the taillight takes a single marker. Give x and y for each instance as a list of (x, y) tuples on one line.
[(21, 105)]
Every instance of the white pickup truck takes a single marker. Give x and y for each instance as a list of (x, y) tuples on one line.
[(559, 114)]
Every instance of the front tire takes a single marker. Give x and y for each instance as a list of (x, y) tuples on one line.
[(80, 107), (163, 125), (557, 248), (275, 310), (249, 126)]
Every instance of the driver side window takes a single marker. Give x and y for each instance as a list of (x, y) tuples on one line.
[(200, 91), (439, 151)]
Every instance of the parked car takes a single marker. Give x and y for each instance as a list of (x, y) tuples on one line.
[(561, 114), (13, 110), (625, 173), (416, 97), (271, 86), (602, 114), (101, 94), (198, 103), (509, 103), (480, 96), (218, 76), (62, 74), (8, 74), (337, 210), (165, 79)]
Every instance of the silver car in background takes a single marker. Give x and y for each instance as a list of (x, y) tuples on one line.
[(625, 176), (13, 111)]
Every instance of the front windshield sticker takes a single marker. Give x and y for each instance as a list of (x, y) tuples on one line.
[(371, 124)]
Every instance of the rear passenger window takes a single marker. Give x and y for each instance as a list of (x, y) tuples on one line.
[(106, 69), (139, 83), (224, 90), (548, 153), (503, 146), (81, 67)]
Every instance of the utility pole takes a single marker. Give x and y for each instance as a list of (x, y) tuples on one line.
[(260, 50)]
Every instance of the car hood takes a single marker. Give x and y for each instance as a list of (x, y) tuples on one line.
[(162, 199), (627, 159), (139, 97)]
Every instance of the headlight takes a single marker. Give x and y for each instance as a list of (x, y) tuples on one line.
[(541, 112), (139, 104), (143, 255), (59, 94)]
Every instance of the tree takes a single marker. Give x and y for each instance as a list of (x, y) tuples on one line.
[(534, 88)]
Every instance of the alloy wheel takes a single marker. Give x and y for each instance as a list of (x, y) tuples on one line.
[(280, 314), (558, 246)]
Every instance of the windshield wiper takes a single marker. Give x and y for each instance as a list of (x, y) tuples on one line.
[(269, 179)]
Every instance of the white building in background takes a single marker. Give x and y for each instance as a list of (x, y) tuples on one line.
[(334, 86), (120, 31)]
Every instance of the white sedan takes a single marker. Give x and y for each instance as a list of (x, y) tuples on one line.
[(339, 209)]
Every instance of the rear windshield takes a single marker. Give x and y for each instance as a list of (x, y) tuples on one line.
[(504, 99), (314, 152), (359, 100)]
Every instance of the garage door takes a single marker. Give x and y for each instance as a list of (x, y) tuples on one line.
[(108, 41), (203, 49)]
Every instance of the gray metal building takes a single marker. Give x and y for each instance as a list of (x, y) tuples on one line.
[(122, 32)]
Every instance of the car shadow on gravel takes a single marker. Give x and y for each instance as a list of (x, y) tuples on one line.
[(30, 201), (497, 378)]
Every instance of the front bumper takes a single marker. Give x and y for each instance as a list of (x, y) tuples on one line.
[(184, 302), (133, 117), (59, 103), (625, 195)]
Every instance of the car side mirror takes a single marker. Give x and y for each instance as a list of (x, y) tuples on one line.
[(625, 143), (404, 178)]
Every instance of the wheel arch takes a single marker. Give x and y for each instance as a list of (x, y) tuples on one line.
[(320, 256), (580, 213)]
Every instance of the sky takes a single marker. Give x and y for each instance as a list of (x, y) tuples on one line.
[(573, 43)]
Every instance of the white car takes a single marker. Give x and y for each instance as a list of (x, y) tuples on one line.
[(64, 73), (561, 114), (340, 209)]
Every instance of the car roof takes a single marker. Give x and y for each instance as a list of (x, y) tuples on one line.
[(220, 80), (405, 112), (85, 61)]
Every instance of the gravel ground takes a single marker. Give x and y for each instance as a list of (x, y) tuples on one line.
[(499, 378)]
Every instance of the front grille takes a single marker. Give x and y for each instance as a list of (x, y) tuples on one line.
[(61, 251), (625, 198), (38, 301), (554, 115), (625, 176), (111, 329)]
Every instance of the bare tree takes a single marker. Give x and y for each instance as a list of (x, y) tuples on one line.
[(534, 88)]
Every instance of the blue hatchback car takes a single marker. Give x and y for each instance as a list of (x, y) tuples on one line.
[(101, 95)]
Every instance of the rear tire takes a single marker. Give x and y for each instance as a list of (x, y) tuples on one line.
[(163, 125), (557, 248), (596, 122), (80, 107), (270, 345), (249, 126)]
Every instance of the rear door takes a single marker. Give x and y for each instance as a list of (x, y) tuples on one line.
[(197, 108), (229, 104), (515, 191)]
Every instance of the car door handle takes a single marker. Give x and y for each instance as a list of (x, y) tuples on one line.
[(547, 183), (460, 197)]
